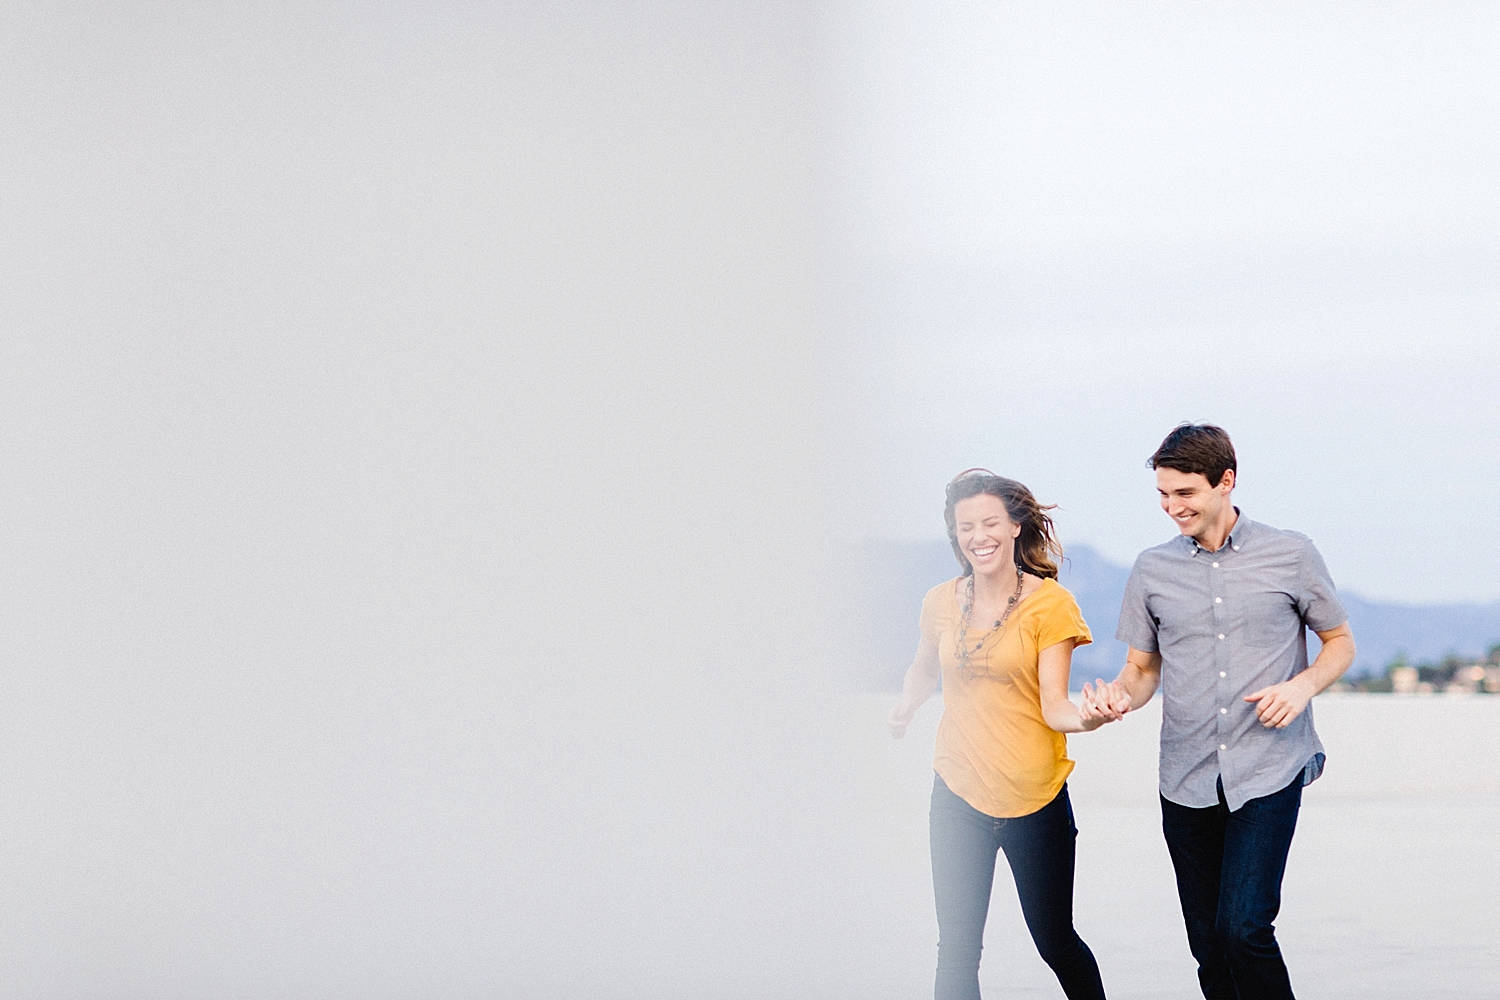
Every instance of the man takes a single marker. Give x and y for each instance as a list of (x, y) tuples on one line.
[(1217, 618)]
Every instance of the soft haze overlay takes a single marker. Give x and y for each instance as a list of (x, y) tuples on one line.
[(409, 510), (432, 435)]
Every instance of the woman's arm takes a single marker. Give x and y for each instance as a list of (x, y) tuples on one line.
[(921, 680), (1053, 666)]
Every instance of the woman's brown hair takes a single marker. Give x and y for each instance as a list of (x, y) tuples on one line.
[(1036, 548)]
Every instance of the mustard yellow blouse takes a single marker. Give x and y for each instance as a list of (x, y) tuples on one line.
[(994, 749)]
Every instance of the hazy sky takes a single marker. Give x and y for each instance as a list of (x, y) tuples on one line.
[(1068, 229)]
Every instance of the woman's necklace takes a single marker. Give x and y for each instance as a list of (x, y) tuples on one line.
[(964, 652)]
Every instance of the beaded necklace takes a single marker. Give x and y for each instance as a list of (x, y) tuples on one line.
[(963, 650)]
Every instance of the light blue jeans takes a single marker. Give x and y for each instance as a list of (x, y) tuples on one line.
[(1040, 850)]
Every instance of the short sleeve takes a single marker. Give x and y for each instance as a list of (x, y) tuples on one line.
[(1063, 620), (1137, 628), (931, 620), (1317, 600)]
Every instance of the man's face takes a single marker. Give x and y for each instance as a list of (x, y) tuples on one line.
[(1192, 504)]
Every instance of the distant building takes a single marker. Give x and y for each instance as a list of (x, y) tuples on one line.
[(1466, 680), (1453, 674)]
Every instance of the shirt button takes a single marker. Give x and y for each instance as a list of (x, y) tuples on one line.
[(1222, 673), (1223, 711), (1236, 548), (1221, 635), (1216, 565), (1218, 600), (1223, 747)]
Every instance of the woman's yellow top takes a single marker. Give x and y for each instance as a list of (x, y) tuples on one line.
[(994, 749)]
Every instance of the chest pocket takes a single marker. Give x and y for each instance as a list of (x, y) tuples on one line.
[(1270, 620)]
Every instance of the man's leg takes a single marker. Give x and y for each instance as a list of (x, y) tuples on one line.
[(1195, 839), (1257, 837), (964, 844), (1041, 850)]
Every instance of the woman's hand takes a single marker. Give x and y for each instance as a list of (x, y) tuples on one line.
[(1090, 716), (1102, 702), (921, 680), (1109, 699), (899, 719)]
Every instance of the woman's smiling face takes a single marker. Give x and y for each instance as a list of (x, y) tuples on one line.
[(985, 533)]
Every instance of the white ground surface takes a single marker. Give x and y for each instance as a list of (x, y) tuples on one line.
[(1392, 889)]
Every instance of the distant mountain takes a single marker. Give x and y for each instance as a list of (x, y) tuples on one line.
[(896, 575)]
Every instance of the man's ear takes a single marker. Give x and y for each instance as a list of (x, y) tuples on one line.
[(1227, 483)]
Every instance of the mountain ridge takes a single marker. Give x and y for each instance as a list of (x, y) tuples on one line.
[(895, 575)]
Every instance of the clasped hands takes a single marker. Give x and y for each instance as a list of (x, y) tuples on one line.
[(1103, 701), (1276, 706)]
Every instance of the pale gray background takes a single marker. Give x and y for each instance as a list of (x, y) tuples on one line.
[(410, 530)]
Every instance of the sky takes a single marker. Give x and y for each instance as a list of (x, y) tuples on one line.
[(1063, 233)]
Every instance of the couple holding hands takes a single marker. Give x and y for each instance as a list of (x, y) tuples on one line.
[(1216, 618)]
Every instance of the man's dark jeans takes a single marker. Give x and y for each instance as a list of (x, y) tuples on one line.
[(1229, 867), (1040, 849)]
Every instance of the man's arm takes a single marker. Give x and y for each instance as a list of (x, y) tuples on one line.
[(1137, 681), (1280, 703), (1141, 675)]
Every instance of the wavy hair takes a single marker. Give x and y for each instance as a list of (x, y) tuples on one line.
[(1036, 548)]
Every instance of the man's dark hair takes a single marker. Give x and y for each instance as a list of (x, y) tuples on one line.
[(1200, 448)]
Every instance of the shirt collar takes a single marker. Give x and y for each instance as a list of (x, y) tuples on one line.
[(1243, 529)]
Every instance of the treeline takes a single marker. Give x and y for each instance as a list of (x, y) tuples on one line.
[(1452, 674)]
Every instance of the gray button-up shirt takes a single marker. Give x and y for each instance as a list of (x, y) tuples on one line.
[(1229, 623)]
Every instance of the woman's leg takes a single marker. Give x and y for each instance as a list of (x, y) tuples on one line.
[(964, 843), (1040, 850)]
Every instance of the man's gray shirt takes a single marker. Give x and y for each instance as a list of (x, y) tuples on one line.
[(1227, 624)]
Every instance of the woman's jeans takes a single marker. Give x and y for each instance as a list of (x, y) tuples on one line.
[(1229, 867), (1039, 848)]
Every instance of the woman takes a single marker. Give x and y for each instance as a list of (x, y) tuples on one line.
[(1001, 637)]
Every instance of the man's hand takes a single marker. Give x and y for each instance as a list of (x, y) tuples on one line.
[(1119, 698), (1100, 704), (1091, 715), (1279, 704)]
